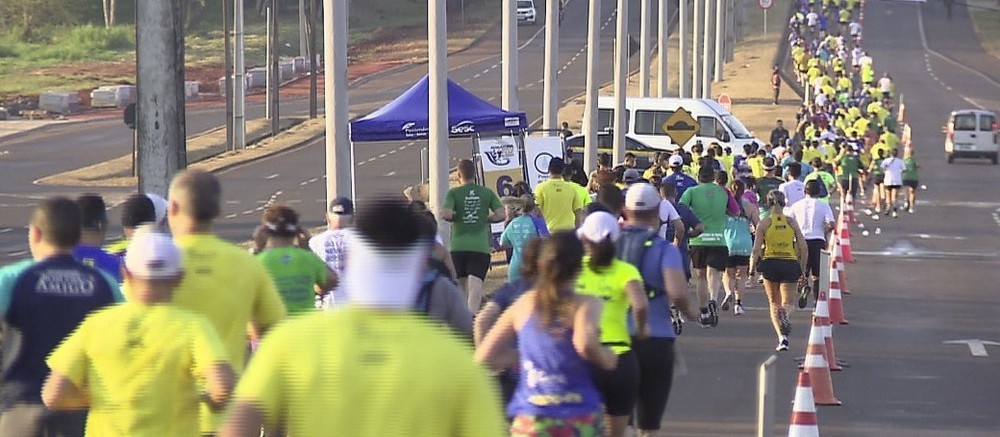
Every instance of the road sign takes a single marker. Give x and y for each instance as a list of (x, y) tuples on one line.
[(765, 4), (726, 102), (680, 127), (976, 347)]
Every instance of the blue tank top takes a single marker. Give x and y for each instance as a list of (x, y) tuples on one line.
[(555, 380)]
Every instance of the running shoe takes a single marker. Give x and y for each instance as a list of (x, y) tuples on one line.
[(804, 293), (784, 325), (725, 302), (749, 284), (705, 320), (738, 309), (894, 215), (782, 345), (676, 320), (910, 210), (713, 312)]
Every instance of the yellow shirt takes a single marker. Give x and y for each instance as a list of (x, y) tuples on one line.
[(608, 284), (584, 195), (779, 239), (230, 288), (891, 139), (756, 164), (358, 372), (558, 200), (809, 153), (140, 365)]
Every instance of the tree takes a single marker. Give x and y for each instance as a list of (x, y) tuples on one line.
[(110, 8), (27, 15)]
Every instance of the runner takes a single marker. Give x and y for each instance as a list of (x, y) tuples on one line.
[(816, 221), (878, 179), (137, 365), (138, 209), (222, 282), (910, 178), (659, 264), (331, 245), (518, 232), (767, 183), (387, 371), (619, 285), (824, 174), (691, 227), (94, 227), (300, 275), (680, 180), (780, 255), (556, 333), (439, 297), (42, 301), (708, 250), (471, 208), (894, 168), (793, 188), (849, 164), (739, 243)]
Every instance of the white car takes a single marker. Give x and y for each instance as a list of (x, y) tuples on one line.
[(526, 12), (971, 133)]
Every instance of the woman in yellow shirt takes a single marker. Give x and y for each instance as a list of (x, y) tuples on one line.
[(779, 253)]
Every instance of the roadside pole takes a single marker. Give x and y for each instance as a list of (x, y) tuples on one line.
[(313, 68), (696, 34), (437, 133), (662, 35), (160, 83), (303, 37), (682, 34), (239, 76), (706, 51), (645, 10), (550, 108), (720, 36), (275, 72), (590, 111), (339, 164), (621, 82), (268, 54), (227, 30), (508, 56)]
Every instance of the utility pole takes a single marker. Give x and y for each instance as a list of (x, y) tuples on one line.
[(550, 107), (645, 10), (508, 55), (437, 133), (621, 82), (590, 111), (706, 52), (683, 68), (275, 85), (303, 37), (268, 54), (696, 34), (227, 89), (239, 77), (720, 36), (313, 68), (159, 35), (339, 159), (662, 35)]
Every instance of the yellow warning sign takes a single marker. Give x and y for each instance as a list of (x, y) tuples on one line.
[(680, 127)]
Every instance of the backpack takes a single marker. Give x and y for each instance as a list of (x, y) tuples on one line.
[(436, 270), (633, 247)]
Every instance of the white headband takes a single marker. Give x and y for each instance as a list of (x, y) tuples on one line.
[(376, 277)]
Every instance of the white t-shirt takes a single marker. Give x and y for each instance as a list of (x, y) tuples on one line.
[(331, 247), (856, 55), (794, 191), (893, 168), (855, 28), (885, 84), (812, 19), (667, 214), (865, 60), (811, 215)]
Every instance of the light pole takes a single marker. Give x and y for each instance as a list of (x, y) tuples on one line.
[(550, 107), (683, 68), (645, 10), (339, 163), (621, 82), (508, 55), (590, 113), (437, 30), (663, 34)]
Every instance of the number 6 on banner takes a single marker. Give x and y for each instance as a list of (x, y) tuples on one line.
[(505, 186)]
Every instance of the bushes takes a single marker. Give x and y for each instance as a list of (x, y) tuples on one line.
[(76, 43)]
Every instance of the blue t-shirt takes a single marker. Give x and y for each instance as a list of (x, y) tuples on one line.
[(651, 270), (515, 235), (681, 181), (99, 259)]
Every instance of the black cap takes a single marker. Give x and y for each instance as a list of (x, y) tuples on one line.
[(341, 206)]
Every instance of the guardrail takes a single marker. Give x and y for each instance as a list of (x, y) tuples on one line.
[(765, 397)]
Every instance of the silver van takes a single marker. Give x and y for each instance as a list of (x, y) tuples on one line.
[(971, 133)]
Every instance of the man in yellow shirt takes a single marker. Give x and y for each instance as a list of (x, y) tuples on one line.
[(558, 200), (223, 282), (136, 364), (374, 367)]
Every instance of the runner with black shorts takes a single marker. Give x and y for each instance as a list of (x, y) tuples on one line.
[(779, 253), (709, 256), (849, 164), (815, 219)]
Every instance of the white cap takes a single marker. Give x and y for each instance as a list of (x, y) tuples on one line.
[(598, 226), (676, 161), (159, 207), (641, 197), (152, 255)]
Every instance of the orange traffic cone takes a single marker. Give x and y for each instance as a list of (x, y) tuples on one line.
[(822, 312), (836, 301), (850, 211), (816, 365), (838, 253), (803, 423), (844, 230)]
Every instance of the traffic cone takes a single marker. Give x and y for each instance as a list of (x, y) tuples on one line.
[(836, 302), (803, 423), (850, 211), (816, 365), (845, 240), (838, 253), (822, 312)]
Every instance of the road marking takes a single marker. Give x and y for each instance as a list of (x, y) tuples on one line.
[(232, 202), (294, 201), (382, 155), (17, 254), (486, 71), (372, 159), (231, 216), (477, 75), (976, 347), (6, 230), (394, 151), (272, 176), (303, 183), (247, 212), (923, 41), (389, 174)]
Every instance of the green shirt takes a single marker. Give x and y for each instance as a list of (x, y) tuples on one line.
[(826, 179), (295, 271), (849, 166), (470, 229), (910, 172), (708, 201)]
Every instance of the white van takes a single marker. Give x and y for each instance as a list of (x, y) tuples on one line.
[(971, 133), (645, 117), (526, 12)]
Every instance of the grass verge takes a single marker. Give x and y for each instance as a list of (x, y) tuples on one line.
[(986, 20)]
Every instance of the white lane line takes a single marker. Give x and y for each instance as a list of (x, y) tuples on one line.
[(382, 155), (394, 151), (248, 212), (232, 202), (294, 201), (231, 216), (313, 180), (389, 174), (17, 254), (372, 159), (272, 176), (476, 76), (303, 183), (486, 71), (6, 230), (260, 208)]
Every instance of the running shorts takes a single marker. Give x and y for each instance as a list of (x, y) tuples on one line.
[(716, 257), (813, 264), (878, 179), (738, 261), (892, 187), (911, 184), (847, 186), (619, 387), (590, 425), (471, 264), (656, 376), (782, 271)]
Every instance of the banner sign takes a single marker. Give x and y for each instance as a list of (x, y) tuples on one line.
[(538, 151), (502, 168)]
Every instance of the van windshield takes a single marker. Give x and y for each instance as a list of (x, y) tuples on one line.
[(965, 122), (524, 4), (739, 131)]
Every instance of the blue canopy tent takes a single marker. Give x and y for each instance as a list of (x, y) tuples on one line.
[(405, 118)]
